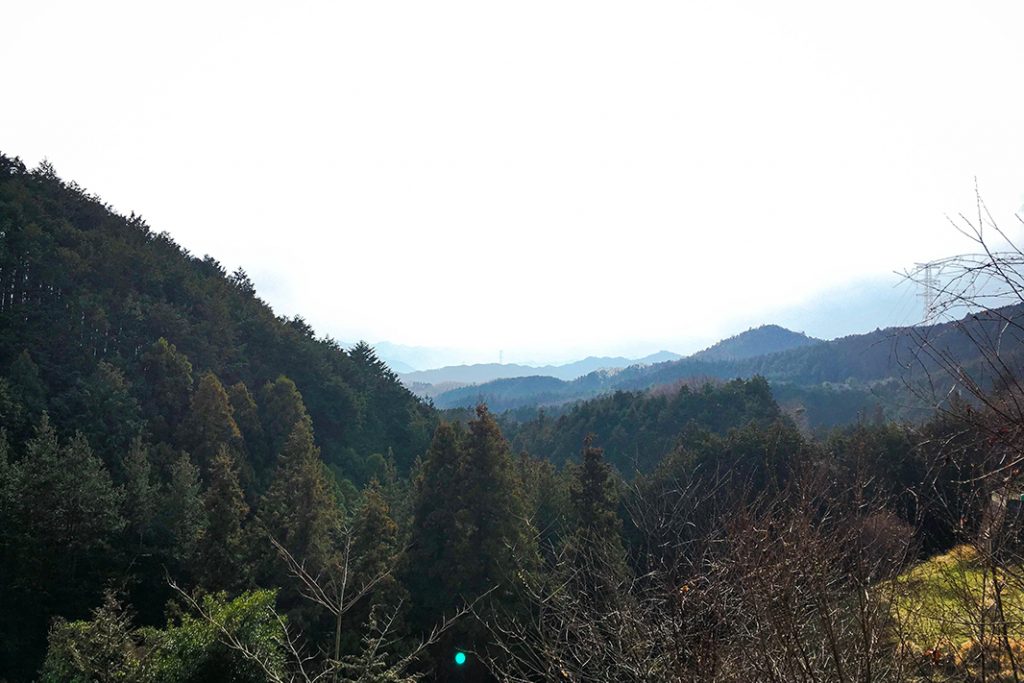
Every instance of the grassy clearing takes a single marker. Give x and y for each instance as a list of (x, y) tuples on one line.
[(946, 608)]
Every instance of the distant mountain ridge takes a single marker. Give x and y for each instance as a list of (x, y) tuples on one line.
[(854, 361), (755, 342), (487, 372)]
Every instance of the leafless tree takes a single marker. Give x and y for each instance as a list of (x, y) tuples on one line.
[(970, 370), (793, 584), (332, 590)]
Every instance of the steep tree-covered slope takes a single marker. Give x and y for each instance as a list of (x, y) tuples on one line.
[(83, 288)]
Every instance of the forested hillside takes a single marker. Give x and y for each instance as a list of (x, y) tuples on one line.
[(86, 296), (149, 402), (195, 490), (637, 429)]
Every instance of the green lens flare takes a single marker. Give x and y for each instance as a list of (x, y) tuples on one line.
[(460, 658)]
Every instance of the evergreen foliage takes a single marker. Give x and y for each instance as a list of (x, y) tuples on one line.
[(209, 427), (471, 536), (183, 514), (167, 388), (223, 555), (124, 461), (299, 510), (80, 284), (140, 492), (639, 428)]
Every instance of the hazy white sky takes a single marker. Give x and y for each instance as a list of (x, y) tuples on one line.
[(548, 178)]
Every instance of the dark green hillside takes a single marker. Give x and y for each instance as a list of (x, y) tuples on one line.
[(637, 429), (86, 293), (514, 392)]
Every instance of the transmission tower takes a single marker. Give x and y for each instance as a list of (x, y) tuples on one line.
[(928, 288)]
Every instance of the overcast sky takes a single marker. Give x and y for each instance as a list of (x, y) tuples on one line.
[(553, 179)]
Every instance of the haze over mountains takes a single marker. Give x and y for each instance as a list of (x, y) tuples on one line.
[(455, 382), (485, 372), (825, 383)]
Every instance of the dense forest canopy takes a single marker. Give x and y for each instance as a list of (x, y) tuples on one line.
[(194, 489), (88, 293)]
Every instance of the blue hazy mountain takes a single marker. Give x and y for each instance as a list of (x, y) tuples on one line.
[(487, 372), (862, 362)]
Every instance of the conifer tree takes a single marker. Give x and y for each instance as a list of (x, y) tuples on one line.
[(222, 549), (593, 495), (102, 649), (65, 517), (299, 509), (167, 384), (102, 408), (594, 550), (374, 554), (139, 492), (10, 409), (6, 481), (547, 498), (281, 406), (7, 491), (27, 396), (432, 559), (184, 515), (210, 425), (497, 537), (470, 535), (247, 417)]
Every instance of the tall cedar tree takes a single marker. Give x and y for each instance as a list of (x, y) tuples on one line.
[(222, 551), (210, 426), (374, 556), (28, 387), (67, 510), (145, 549), (594, 552), (497, 536), (183, 514), (247, 417), (140, 497), (593, 495), (432, 558), (10, 621), (299, 509), (471, 536), (167, 389), (64, 521), (101, 407), (546, 492), (281, 408)]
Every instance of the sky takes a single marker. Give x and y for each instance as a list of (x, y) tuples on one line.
[(547, 179)]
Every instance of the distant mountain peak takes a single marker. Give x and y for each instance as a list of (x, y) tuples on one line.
[(757, 341)]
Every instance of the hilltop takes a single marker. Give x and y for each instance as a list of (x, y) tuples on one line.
[(758, 341)]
